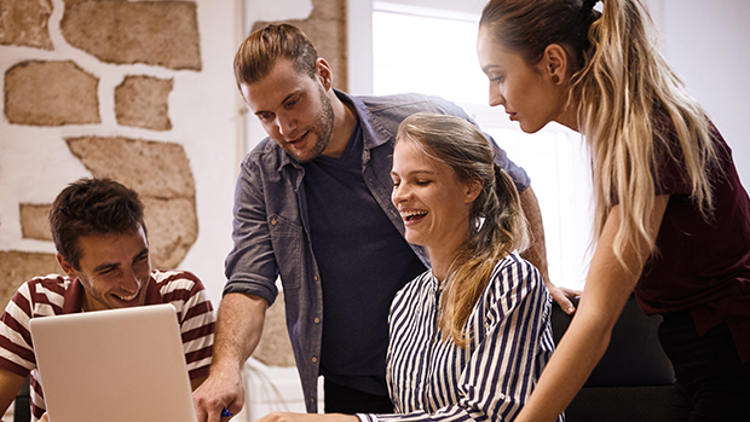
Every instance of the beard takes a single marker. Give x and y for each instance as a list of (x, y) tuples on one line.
[(322, 130)]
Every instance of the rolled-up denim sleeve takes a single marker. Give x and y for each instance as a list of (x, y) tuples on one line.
[(251, 265)]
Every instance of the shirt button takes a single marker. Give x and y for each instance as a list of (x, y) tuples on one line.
[(315, 277), (317, 320), (314, 359), (273, 221)]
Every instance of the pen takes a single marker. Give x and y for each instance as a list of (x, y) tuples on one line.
[(225, 413)]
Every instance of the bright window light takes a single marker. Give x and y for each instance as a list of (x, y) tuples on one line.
[(433, 52)]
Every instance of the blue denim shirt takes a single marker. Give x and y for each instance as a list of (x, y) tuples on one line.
[(271, 231)]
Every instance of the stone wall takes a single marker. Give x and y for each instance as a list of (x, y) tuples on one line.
[(119, 89), (326, 28), (49, 93)]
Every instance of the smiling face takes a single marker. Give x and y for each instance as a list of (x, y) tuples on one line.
[(433, 203), (530, 94), (114, 269), (293, 109)]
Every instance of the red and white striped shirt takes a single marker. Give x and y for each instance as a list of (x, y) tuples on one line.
[(56, 295)]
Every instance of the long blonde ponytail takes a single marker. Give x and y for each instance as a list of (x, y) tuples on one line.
[(620, 84)]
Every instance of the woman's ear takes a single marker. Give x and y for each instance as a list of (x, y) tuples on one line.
[(325, 75), (473, 189), (555, 62)]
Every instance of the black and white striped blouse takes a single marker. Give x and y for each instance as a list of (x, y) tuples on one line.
[(432, 379)]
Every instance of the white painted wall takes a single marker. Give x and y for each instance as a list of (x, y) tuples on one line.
[(705, 42)]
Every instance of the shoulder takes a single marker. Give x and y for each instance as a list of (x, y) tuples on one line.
[(386, 112), (512, 273), (45, 295), (184, 290), (178, 283), (400, 106), (419, 285), (266, 156)]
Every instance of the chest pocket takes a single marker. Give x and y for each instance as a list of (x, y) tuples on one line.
[(288, 246)]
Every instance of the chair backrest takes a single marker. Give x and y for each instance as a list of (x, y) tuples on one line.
[(634, 380), (634, 356)]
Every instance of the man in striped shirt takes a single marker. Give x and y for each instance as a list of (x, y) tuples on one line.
[(100, 236)]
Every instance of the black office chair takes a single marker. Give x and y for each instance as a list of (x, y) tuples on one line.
[(22, 407), (634, 381)]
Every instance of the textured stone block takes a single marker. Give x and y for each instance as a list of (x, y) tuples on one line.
[(57, 93), (326, 28), (160, 173), (17, 267), (157, 169), (172, 229), (142, 101), (24, 22), (34, 222), (163, 33), (275, 348)]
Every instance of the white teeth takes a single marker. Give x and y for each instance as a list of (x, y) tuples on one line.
[(406, 215), (127, 298)]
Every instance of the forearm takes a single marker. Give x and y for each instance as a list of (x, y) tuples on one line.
[(238, 328), (537, 251), (10, 385), (609, 283)]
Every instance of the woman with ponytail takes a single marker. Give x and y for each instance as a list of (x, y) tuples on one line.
[(468, 338), (672, 220)]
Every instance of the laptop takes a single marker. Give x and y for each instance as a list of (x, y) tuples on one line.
[(120, 365)]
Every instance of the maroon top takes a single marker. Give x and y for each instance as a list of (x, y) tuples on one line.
[(702, 265)]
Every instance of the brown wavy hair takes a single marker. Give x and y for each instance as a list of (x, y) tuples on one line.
[(496, 226)]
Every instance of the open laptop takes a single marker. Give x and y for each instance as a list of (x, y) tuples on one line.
[(120, 365)]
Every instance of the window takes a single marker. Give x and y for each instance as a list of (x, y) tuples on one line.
[(432, 51)]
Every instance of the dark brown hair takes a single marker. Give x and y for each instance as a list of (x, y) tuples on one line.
[(259, 52), (92, 207)]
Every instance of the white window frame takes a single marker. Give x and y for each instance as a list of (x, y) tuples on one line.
[(565, 208)]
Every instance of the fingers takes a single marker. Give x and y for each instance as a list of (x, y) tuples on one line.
[(208, 407), (561, 296)]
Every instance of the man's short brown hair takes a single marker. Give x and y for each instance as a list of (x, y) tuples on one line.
[(258, 53), (92, 207)]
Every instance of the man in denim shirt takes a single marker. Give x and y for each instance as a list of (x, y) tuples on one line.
[(312, 205)]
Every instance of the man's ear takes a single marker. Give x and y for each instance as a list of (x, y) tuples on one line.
[(66, 266), (325, 75), (556, 63)]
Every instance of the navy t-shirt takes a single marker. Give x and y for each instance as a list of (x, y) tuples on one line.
[(363, 261)]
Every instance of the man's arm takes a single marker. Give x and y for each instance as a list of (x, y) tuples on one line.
[(10, 385), (238, 328), (537, 252)]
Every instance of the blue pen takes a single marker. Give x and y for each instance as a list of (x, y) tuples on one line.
[(225, 413)]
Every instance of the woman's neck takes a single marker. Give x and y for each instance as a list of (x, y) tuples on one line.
[(441, 262)]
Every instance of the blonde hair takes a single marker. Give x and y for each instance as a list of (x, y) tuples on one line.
[(496, 225), (621, 83)]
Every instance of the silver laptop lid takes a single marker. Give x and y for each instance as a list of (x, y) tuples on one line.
[(120, 365)]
